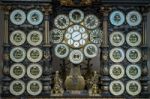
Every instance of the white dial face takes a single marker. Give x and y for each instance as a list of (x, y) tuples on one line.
[(17, 54), (90, 50), (91, 22), (76, 56), (17, 37), (133, 88), (134, 18), (133, 55), (96, 36), (61, 21), (133, 38), (34, 87), (35, 38), (76, 15), (117, 18), (35, 17), (117, 38), (133, 71), (116, 88), (17, 87), (61, 50), (17, 71), (56, 35), (18, 17), (34, 54)]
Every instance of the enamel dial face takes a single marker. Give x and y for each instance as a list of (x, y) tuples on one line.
[(34, 38), (133, 88), (35, 17), (133, 71), (17, 37), (116, 71), (17, 54), (18, 17), (117, 18), (133, 55), (117, 38), (133, 38), (56, 35), (90, 50), (34, 87), (117, 54), (76, 36), (34, 54), (61, 50), (134, 18), (91, 22), (61, 21), (96, 36), (116, 88), (17, 87)]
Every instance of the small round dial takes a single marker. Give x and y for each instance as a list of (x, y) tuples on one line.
[(134, 18), (133, 71), (18, 17), (117, 38), (133, 55), (34, 87), (133, 88), (116, 71), (56, 35), (117, 18), (117, 54), (133, 38), (96, 36), (17, 54), (76, 56), (61, 50), (76, 15), (61, 21), (90, 51), (17, 37), (116, 88), (17, 87), (17, 71), (34, 54), (35, 17), (35, 38)]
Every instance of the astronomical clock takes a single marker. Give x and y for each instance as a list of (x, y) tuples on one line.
[(75, 48)]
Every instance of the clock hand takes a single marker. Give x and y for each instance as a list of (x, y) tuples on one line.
[(61, 22)]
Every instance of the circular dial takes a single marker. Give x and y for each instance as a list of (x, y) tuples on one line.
[(116, 71), (56, 35), (17, 71), (17, 37), (133, 71), (134, 18), (17, 87), (90, 50), (133, 38), (76, 56), (133, 55), (35, 17), (117, 18), (35, 38), (96, 36), (91, 22), (34, 71), (76, 36), (34, 87), (133, 88), (61, 50), (34, 54), (116, 88), (76, 15), (61, 21), (17, 17), (117, 38), (117, 54), (17, 54)]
